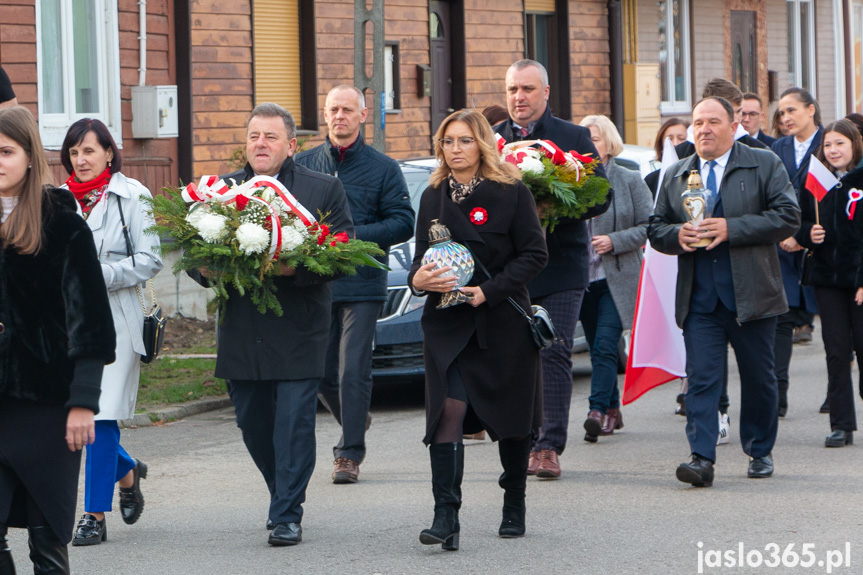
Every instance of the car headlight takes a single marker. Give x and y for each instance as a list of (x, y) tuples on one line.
[(414, 302)]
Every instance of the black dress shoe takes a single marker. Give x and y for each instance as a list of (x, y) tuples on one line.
[(782, 411), (760, 467), (270, 525), (90, 531), (131, 498), (825, 407), (286, 534), (839, 438), (698, 472)]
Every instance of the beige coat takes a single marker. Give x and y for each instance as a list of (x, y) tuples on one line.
[(120, 379)]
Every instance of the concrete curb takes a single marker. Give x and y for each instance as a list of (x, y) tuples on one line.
[(175, 412)]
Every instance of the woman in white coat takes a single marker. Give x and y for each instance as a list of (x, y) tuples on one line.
[(110, 202)]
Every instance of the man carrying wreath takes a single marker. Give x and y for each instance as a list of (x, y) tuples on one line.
[(559, 288), (273, 364)]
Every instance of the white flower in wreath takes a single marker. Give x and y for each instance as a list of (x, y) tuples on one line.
[(291, 238), (212, 227), (531, 165), (252, 238), (298, 225), (195, 215)]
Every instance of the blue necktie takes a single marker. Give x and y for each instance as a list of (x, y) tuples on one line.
[(711, 178)]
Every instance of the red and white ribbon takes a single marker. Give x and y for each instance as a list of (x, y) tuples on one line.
[(557, 156), (209, 187), (854, 196), (213, 189), (276, 227), (283, 193)]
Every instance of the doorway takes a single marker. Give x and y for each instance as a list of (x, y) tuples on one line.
[(744, 50)]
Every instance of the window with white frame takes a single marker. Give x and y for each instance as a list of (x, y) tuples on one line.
[(674, 79), (857, 55), (77, 65), (801, 44), (392, 86)]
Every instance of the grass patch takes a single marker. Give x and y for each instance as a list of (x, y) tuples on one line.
[(167, 381)]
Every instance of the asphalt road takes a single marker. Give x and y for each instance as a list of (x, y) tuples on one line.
[(617, 509)]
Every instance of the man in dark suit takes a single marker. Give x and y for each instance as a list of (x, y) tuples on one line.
[(722, 88), (752, 116), (727, 291), (382, 213), (273, 364), (560, 287)]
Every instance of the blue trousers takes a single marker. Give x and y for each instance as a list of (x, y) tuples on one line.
[(563, 307), (603, 329), (346, 388), (277, 419), (107, 463), (706, 336)]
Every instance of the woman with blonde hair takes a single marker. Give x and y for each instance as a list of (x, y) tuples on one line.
[(482, 366), (614, 266), (56, 335)]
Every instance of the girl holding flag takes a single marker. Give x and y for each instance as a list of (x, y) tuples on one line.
[(832, 230)]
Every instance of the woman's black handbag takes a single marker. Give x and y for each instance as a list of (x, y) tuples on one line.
[(541, 326), (154, 323), (154, 327)]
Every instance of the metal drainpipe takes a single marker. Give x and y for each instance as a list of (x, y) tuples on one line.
[(142, 42), (615, 56)]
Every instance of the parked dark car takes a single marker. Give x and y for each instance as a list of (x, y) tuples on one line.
[(398, 352)]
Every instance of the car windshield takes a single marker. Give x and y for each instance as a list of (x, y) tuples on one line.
[(418, 181)]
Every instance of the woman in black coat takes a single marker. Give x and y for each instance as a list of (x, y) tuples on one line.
[(482, 367), (834, 265), (56, 335)]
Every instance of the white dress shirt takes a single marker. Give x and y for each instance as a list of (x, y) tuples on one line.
[(800, 148), (718, 169)]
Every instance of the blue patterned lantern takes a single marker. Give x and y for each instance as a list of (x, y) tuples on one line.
[(445, 252)]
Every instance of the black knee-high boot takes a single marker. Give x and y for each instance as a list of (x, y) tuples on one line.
[(7, 566), (514, 454), (48, 554), (447, 464)]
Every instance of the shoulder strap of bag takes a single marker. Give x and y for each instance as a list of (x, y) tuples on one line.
[(509, 299), (131, 254), (126, 236)]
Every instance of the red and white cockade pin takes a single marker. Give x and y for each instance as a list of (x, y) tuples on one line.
[(478, 216)]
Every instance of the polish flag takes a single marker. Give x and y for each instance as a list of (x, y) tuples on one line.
[(820, 180), (657, 354)]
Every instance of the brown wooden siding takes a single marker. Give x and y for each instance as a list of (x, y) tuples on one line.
[(222, 79), (588, 36)]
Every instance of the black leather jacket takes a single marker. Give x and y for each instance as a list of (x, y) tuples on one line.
[(760, 209)]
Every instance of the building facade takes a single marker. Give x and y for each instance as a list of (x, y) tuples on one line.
[(74, 58)]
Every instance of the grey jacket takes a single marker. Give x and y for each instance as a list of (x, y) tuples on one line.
[(761, 210), (625, 223)]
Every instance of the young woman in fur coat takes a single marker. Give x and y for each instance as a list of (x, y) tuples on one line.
[(56, 335), (834, 266)]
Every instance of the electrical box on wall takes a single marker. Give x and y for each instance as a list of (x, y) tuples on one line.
[(154, 112)]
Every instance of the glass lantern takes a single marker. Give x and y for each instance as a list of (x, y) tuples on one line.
[(445, 252)]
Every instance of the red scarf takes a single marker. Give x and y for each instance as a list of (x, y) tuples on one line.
[(89, 193)]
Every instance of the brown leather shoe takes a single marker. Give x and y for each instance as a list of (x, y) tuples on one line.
[(549, 465), (613, 420), (533, 462), (593, 425), (345, 470)]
